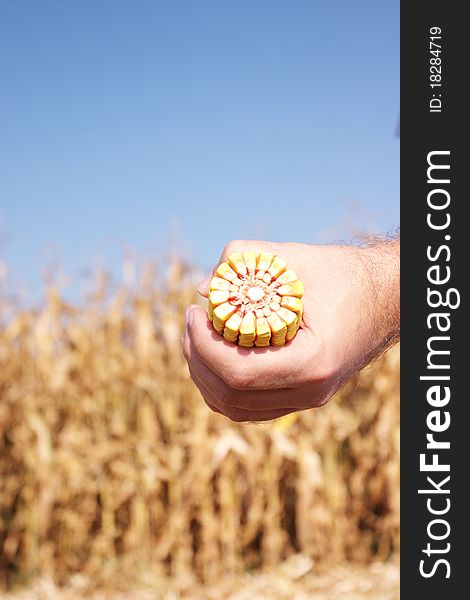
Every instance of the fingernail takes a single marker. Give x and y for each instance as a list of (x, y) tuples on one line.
[(203, 286)]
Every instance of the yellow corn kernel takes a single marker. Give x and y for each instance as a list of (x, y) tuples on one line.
[(290, 336), (277, 267), (247, 330), (237, 263), (250, 260), (290, 319), (287, 277), (263, 332), (221, 314), (264, 260), (217, 283), (217, 297), (232, 327), (296, 288), (292, 303), (210, 311), (278, 330), (226, 272)]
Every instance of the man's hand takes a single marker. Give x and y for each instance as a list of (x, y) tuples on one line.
[(351, 313)]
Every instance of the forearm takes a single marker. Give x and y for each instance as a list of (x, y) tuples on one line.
[(382, 263)]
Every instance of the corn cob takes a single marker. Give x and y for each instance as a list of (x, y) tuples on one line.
[(255, 300)]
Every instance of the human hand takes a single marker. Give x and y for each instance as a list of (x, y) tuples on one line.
[(351, 313)]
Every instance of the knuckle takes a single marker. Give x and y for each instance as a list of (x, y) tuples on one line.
[(231, 247), (240, 378)]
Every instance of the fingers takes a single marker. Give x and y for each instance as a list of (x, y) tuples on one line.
[(235, 413), (268, 368), (203, 286), (224, 396)]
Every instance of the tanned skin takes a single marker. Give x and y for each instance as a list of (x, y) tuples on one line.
[(351, 315)]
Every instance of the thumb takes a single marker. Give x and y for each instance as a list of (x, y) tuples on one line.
[(203, 286)]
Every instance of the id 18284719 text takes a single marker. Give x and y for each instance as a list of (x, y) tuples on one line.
[(435, 69)]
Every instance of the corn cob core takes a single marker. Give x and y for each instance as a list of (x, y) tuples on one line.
[(254, 300)]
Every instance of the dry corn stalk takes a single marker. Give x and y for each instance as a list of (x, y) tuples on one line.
[(254, 299), (111, 465)]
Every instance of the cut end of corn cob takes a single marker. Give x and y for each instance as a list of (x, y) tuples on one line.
[(255, 300)]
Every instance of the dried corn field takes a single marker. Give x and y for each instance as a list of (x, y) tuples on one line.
[(113, 468)]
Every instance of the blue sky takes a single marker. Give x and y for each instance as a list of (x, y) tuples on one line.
[(143, 123)]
